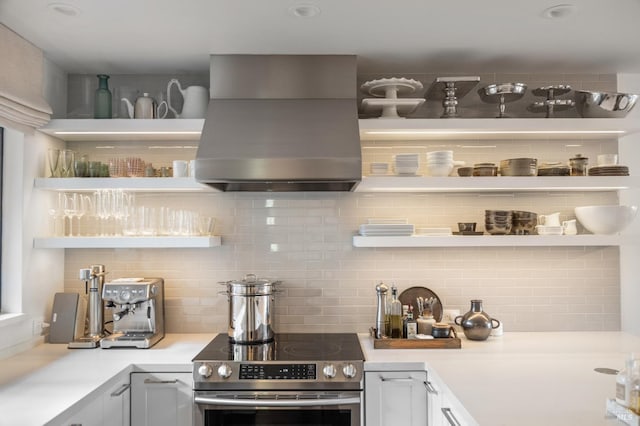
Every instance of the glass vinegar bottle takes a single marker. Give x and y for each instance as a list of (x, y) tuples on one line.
[(395, 314)]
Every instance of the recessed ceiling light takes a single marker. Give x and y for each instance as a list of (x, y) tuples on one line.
[(64, 9), (304, 10), (560, 11)]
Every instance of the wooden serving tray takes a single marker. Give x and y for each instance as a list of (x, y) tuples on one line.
[(443, 343)]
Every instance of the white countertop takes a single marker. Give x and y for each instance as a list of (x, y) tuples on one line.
[(524, 378), (517, 379), (39, 384)]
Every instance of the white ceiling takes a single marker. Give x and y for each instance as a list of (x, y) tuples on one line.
[(168, 36)]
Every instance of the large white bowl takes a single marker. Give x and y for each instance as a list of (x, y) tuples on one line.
[(605, 219)]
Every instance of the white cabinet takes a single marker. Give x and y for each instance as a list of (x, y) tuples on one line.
[(396, 398), (408, 398), (116, 403), (89, 413), (159, 399), (107, 407), (445, 409)]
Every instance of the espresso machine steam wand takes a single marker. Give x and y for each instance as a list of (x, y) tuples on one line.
[(93, 281)]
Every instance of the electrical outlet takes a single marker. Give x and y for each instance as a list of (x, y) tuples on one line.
[(449, 315), (37, 326)]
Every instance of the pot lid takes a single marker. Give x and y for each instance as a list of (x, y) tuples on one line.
[(251, 280)]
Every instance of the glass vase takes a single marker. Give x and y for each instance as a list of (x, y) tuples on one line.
[(102, 106)]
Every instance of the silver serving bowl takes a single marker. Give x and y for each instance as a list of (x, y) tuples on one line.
[(604, 104)]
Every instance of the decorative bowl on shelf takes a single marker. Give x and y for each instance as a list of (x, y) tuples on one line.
[(604, 104), (607, 220)]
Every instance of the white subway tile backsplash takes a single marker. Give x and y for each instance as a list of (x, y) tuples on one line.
[(304, 239)]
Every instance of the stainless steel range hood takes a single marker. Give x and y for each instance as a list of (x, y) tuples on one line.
[(281, 123)]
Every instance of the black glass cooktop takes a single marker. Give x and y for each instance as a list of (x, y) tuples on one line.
[(287, 347)]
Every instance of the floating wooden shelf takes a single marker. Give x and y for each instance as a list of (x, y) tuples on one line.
[(488, 241), (128, 242), (171, 184)]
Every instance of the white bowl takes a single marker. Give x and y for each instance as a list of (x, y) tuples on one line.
[(440, 170), (605, 219)]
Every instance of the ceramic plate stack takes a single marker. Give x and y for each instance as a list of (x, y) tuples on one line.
[(609, 171), (519, 167), (386, 230), (439, 163), (406, 164)]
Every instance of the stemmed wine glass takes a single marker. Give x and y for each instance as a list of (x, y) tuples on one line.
[(70, 209)]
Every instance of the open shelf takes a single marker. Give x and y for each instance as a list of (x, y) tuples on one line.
[(120, 129), (495, 128), (171, 184), (488, 241), (495, 184), (128, 242), (123, 129)]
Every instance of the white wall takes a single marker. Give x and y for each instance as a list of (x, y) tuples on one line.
[(630, 252)]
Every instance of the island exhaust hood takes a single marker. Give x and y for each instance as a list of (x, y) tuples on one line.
[(281, 123)]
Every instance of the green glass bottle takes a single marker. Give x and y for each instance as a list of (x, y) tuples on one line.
[(102, 105)]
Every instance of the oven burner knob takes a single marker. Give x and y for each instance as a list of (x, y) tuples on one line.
[(329, 371), (224, 371), (205, 370), (349, 371)]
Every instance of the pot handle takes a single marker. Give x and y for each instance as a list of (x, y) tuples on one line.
[(495, 326), (453, 330), (250, 278), (459, 317)]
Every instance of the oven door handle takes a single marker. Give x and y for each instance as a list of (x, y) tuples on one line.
[(275, 402)]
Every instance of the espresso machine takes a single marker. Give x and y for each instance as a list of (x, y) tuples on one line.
[(137, 308), (94, 329)]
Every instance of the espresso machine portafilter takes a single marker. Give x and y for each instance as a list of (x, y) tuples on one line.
[(93, 281)]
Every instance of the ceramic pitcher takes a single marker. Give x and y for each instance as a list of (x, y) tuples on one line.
[(195, 100)]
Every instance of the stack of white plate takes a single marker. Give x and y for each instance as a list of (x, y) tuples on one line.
[(439, 163), (406, 164), (386, 229)]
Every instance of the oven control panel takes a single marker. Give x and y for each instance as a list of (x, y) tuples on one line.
[(277, 375), (277, 372)]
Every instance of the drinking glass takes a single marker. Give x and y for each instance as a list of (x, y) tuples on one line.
[(95, 167), (66, 163), (80, 168), (207, 224), (53, 157)]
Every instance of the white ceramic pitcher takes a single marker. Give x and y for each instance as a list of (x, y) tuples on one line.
[(195, 100)]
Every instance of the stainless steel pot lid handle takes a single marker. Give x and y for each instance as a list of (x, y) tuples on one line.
[(250, 278)]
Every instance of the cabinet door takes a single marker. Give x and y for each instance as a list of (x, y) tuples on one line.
[(452, 413), (395, 398), (434, 401), (117, 404), (90, 414), (159, 399)]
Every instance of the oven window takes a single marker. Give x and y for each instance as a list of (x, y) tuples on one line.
[(299, 417)]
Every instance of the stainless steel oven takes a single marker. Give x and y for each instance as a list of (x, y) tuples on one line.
[(297, 379), (278, 408)]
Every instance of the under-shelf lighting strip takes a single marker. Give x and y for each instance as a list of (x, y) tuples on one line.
[(493, 132), (190, 132)]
